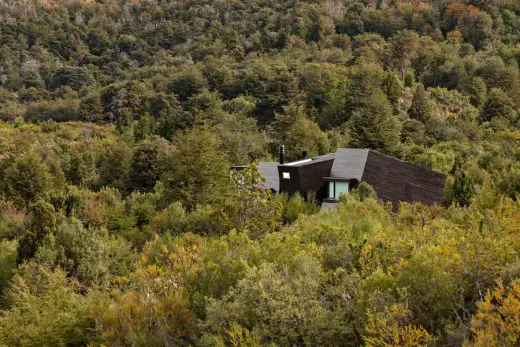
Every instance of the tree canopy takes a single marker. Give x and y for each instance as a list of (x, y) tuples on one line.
[(122, 224)]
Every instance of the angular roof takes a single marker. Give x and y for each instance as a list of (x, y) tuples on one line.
[(270, 171), (312, 160), (349, 163)]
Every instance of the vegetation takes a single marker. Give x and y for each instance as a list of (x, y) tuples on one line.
[(120, 223)]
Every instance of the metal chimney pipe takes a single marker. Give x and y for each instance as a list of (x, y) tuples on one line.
[(281, 150)]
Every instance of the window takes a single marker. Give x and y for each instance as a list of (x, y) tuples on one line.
[(286, 175), (336, 189)]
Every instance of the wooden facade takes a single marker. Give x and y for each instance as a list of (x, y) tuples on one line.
[(395, 180), (306, 178)]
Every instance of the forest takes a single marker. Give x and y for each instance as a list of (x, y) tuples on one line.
[(122, 225)]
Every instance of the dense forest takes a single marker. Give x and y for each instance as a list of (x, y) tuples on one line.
[(121, 224)]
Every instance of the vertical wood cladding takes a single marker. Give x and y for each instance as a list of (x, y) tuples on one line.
[(306, 178), (292, 185), (395, 180), (312, 177)]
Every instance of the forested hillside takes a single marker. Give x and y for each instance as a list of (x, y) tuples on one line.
[(120, 223)]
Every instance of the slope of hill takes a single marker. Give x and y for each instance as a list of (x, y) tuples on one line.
[(119, 120)]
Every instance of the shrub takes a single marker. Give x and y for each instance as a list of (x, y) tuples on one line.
[(57, 110)]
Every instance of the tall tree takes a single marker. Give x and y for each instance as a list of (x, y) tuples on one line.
[(197, 171), (421, 108)]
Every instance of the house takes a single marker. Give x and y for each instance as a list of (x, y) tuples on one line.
[(334, 174)]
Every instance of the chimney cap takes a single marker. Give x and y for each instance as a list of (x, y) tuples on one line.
[(282, 152)]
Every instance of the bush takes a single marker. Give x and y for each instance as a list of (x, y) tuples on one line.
[(48, 308), (57, 110), (75, 77), (8, 255)]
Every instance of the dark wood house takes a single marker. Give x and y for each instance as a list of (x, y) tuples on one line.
[(331, 175)]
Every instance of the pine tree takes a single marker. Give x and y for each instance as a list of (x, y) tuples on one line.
[(421, 108)]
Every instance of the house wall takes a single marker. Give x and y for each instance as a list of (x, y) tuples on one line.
[(312, 177), (395, 180), (306, 178), (292, 185)]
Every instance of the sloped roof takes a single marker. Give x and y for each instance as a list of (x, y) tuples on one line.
[(349, 163), (270, 171), (312, 160)]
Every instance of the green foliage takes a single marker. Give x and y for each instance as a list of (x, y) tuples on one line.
[(145, 167), (253, 209), (187, 83), (463, 189), (46, 304), (498, 105), (115, 165), (296, 205), (238, 336), (364, 191), (277, 310), (8, 256), (137, 321), (374, 127), (112, 236), (42, 222), (299, 134), (27, 179), (91, 109), (58, 110), (172, 220), (421, 108), (75, 77), (196, 172), (90, 257)]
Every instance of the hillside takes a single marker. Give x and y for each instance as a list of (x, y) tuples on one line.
[(119, 224)]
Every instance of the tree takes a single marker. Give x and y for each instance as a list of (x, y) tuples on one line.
[(403, 45), (393, 88), (299, 133), (8, 255), (27, 179), (42, 222), (115, 164), (463, 188), (144, 168), (187, 83), (498, 105), (421, 108), (197, 172), (241, 139), (375, 127), (279, 311), (75, 77), (91, 109), (253, 207), (168, 113), (48, 307), (144, 127), (122, 102), (156, 311), (477, 27)]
